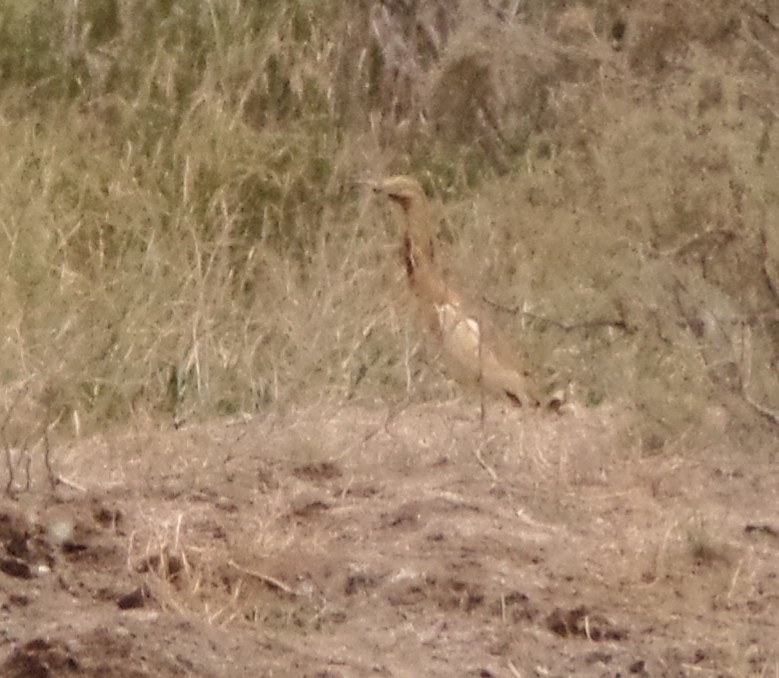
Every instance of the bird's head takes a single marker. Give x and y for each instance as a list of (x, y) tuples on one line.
[(418, 246), (403, 190)]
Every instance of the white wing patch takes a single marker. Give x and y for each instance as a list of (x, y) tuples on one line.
[(450, 319)]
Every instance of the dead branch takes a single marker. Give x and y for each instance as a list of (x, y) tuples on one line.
[(271, 581), (619, 323)]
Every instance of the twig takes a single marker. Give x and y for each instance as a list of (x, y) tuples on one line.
[(769, 55), (766, 272), (27, 471), (764, 16), (753, 318), (68, 483), (734, 580), (566, 327), (271, 581), (177, 537), (750, 319), (392, 414), (8, 454), (484, 464), (47, 458), (9, 462), (773, 415)]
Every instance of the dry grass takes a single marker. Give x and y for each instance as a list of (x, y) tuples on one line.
[(179, 234), (575, 555), (182, 238)]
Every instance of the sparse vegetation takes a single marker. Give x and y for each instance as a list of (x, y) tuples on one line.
[(300, 538), (180, 234), (182, 238)]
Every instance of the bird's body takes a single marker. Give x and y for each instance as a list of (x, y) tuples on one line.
[(470, 345)]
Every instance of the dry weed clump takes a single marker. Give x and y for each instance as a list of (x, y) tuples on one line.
[(195, 565), (179, 234)]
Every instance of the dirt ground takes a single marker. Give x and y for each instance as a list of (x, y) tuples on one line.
[(412, 541)]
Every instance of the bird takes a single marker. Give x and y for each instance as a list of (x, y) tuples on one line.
[(472, 347)]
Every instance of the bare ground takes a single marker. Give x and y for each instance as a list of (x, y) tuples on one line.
[(409, 542)]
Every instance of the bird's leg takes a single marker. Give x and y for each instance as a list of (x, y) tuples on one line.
[(481, 382)]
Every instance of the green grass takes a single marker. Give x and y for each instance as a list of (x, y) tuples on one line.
[(180, 233)]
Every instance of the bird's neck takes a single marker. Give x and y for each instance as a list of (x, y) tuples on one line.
[(425, 278), (417, 229)]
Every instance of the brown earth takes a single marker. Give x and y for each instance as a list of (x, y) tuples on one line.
[(361, 542)]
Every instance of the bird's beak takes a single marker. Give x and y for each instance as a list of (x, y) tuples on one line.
[(375, 186)]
